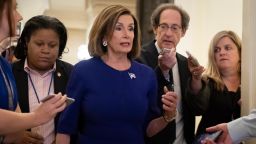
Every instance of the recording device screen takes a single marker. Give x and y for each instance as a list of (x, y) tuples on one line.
[(193, 59), (69, 100), (213, 136)]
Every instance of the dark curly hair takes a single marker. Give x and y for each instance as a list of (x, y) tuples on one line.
[(37, 23)]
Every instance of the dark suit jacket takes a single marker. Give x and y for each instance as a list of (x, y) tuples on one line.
[(61, 76), (149, 56)]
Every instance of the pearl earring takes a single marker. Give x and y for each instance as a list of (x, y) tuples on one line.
[(105, 43)]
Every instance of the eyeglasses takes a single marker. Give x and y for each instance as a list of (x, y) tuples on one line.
[(174, 27)]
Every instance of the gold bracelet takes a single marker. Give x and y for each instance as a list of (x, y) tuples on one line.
[(168, 119)]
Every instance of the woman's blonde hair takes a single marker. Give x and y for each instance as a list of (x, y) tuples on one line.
[(103, 27), (212, 70), (10, 17)]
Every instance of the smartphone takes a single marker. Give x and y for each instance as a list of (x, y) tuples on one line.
[(47, 98), (170, 87), (213, 136), (68, 100), (193, 59)]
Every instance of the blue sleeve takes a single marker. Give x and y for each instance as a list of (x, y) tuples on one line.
[(154, 110), (69, 119), (7, 72)]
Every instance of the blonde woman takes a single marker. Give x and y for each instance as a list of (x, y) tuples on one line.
[(216, 94)]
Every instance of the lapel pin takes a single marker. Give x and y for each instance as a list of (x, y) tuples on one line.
[(58, 74), (132, 75)]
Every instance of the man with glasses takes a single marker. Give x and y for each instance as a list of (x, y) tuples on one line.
[(170, 23)]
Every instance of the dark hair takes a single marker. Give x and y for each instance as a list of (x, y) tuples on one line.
[(37, 23), (104, 25), (155, 17), (10, 18)]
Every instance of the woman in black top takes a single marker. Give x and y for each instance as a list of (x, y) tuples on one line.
[(216, 94)]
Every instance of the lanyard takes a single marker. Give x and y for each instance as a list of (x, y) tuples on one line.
[(9, 89), (33, 86)]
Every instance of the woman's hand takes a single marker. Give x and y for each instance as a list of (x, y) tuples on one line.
[(30, 138), (195, 70), (48, 109), (169, 100), (223, 138)]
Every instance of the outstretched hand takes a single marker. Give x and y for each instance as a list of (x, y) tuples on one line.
[(195, 70), (224, 138), (167, 59), (48, 109), (29, 137)]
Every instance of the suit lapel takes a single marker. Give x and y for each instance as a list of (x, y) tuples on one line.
[(60, 78), (183, 71), (22, 85)]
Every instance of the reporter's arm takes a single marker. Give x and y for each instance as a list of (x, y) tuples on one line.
[(155, 126), (242, 128), (169, 100), (13, 122)]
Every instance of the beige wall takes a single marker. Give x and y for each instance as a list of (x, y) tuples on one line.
[(76, 37), (207, 17), (76, 15), (248, 59)]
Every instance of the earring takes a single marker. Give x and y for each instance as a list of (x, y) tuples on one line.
[(105, 43)]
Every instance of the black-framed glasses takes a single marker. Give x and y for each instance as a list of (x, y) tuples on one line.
[(174, 27)]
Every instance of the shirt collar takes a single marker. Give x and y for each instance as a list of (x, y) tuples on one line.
[(28, 69), (157, 47)]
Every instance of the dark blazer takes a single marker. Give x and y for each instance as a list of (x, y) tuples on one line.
[(149, 56), (61, 76)]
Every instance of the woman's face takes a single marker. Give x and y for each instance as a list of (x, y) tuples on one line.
[(123, 35), (43, 50), (226, 54), (15, 19)]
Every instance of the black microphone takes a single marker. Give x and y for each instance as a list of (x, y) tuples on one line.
[(170, 86)]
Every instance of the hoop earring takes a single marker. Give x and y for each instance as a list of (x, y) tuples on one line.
[(105, 43)]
